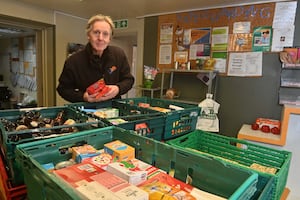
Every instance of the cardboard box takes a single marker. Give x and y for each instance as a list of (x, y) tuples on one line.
[(78, 172), (82, 152), (164, 185), (134, 176), (101, 160), (95, 191), (107, 112), (134, 171), (292, 52), (119, 150), (82, 175), (120, 187)]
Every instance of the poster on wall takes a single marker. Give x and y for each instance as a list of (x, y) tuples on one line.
[(245, 64), (262, 38), (198, 51), (240, 42), (219, 41), (282, 37), (166, 33), (221, 61), (165, 54), (284, 14), (241, 27)]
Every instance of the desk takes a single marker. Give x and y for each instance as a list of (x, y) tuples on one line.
[(152, 90)]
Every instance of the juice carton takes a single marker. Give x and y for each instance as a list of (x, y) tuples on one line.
[(119, 150)]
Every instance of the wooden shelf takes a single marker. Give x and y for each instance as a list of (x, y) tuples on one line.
[(151, 90), (211, 74), (285, 194), (247, 133)]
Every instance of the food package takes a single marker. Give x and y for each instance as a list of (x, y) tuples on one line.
[(119, 150), (107, 112), (98, 87), (80, 153)]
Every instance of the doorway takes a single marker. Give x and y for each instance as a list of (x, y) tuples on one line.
[(128, 42), (27, 61)]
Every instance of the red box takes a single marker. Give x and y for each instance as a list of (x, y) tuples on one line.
[(84, 174), (7, 191)]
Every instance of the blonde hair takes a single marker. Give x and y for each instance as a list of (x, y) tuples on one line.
[(100, 17)]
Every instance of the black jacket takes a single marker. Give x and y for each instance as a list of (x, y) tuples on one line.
[(83, 69)]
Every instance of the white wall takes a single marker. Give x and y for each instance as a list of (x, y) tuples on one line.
[(69, 29), (292, 145), (128, 44), (21, 10)]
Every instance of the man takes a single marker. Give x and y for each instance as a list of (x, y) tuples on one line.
[(98, 60)]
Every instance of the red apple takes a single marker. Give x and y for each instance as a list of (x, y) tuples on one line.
[(255, 126), (275, 130), (265, 129)]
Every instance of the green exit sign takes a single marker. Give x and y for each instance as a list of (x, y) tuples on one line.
[(123, 23)]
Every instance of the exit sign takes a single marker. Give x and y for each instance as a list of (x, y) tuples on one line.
[(123, 23)]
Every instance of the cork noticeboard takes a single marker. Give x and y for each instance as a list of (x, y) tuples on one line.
[(170, 25)]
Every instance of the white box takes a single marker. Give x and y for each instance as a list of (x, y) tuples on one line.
[(133, 176)]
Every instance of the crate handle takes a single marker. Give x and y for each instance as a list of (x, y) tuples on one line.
[(195, 153), (65, 149), (183, 139)]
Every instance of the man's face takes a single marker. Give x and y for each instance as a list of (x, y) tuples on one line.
[(99, 36)]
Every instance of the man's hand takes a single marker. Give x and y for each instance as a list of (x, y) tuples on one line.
[(113, 91)]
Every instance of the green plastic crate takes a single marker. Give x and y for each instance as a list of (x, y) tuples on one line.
[(243, 154), (140, 120), (177, 122), (10, 139), (208, 174)]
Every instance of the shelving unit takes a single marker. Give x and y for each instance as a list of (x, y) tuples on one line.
[(247, 133), (255, 135), (151, 90), (289, 92), (210, 73)]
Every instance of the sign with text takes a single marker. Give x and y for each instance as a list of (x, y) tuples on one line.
[(123, 23)]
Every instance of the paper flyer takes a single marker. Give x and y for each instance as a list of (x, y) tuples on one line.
[(240, 42), (219, 38), (262, 36)]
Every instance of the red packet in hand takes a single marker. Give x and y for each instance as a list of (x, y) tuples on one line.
[(98, 87)]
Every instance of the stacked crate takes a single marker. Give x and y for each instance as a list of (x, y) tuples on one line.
[(10, 137), (140, 120), (272, 165), (207, 174), (180, 118)]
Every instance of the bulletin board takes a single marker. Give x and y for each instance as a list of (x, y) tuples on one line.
[(170, 28), (22, 62)]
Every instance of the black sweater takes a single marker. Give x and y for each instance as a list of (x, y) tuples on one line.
[(83, 69)]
